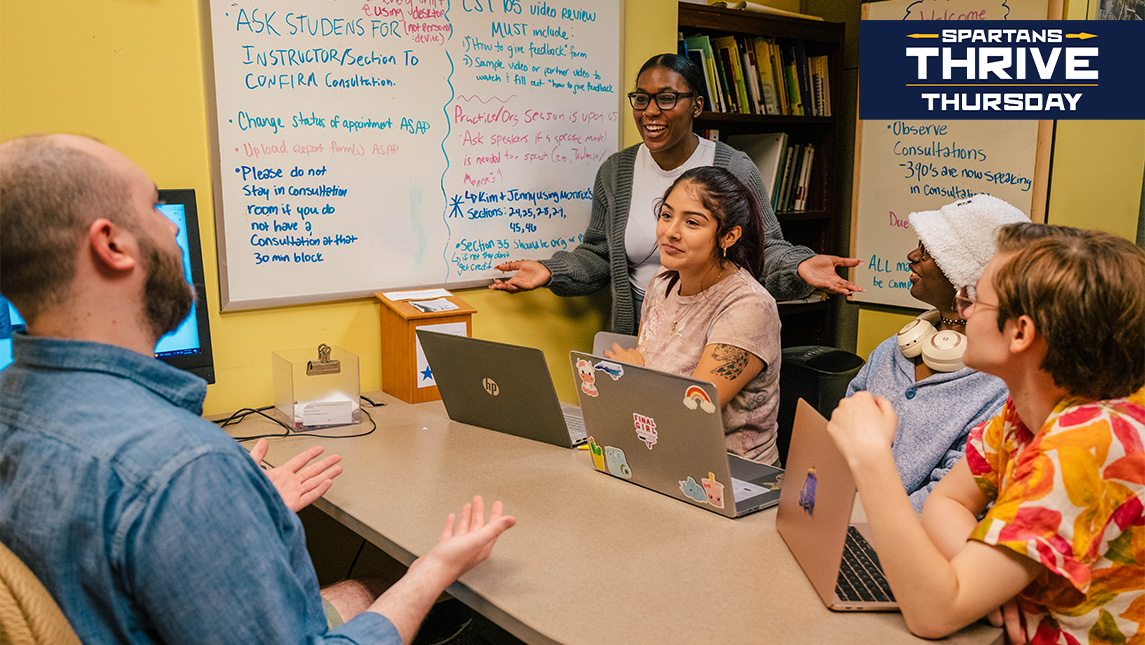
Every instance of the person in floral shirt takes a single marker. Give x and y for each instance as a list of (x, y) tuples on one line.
[(1061, 550)]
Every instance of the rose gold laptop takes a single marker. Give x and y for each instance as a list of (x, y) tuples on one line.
[(814, 519)]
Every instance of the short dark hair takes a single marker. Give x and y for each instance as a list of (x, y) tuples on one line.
[(682, 65), (732, 204), (50, 192), (1085, 292)]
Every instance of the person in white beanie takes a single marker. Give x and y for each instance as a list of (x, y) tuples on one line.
[(919, 369)]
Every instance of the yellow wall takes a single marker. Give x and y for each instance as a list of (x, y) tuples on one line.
[(131, 74)]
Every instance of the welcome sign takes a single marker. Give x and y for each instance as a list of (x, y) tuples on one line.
[(1001, 69)]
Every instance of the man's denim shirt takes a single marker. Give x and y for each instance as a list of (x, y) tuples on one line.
[(146, 522)]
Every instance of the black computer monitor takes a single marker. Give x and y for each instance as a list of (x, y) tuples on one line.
[(189, 345)]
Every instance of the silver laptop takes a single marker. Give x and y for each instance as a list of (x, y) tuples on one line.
[(814, 520), (665, 432), (502, 387)]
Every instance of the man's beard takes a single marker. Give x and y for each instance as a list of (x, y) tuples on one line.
[(166, 295)]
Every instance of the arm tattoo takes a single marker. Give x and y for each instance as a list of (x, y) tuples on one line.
[(732, 361)]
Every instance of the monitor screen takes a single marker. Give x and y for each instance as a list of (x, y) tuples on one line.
[(189, 345)]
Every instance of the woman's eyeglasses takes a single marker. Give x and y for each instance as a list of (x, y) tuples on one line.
[(965, 298), (664, 100)]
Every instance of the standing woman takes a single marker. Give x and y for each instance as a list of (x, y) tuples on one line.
[(705, 315), (619, 250)]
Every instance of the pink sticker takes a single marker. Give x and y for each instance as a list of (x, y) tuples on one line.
[(645, 429), (714, 490)]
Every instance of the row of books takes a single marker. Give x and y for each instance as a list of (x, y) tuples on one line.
[(757, 75), (785, 168)]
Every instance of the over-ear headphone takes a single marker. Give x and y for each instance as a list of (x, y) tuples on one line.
[(941, 350)]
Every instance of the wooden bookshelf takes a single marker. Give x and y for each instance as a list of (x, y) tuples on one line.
[(816, 225)]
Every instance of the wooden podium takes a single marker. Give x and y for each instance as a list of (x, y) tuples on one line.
[(400, 320)]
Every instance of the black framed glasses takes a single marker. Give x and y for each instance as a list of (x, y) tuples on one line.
[(664, 100), (965, 298)]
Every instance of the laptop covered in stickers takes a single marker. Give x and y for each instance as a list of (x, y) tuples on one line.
[(665, 432), (501, 387)]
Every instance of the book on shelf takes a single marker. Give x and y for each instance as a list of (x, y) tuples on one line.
[(760, 75), (728, 94), (805, 178), (784, 188), (766, 150), (697, 56), (752, 76), (791, 79), (819, 66), (702, 44), (816, 88), (766, 74), (782, 178), (793, 181), (803, 74), (729, 53), (780, 78)]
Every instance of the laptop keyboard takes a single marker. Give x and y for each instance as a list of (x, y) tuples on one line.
[(575, 423), (860, 575)]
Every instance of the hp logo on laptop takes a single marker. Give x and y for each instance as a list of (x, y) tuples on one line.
[(490, 386)]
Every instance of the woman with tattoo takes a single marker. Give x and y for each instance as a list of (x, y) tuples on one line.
[(705, 316), (619, 247)]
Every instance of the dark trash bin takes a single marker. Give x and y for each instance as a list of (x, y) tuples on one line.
[(817, 374)]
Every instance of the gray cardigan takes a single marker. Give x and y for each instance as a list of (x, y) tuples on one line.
[(601, 258)]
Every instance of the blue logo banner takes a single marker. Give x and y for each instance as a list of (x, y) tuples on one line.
[(998, 69)]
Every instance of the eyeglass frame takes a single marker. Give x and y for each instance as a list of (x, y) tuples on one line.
[(923, 255), (650, 97), (966, 297)]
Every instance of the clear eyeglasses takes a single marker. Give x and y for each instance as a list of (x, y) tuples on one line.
[(965, 298)]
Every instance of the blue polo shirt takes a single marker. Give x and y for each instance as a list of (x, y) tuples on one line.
[(144, 521)]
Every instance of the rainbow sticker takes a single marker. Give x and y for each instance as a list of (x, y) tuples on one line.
[(696, 396)]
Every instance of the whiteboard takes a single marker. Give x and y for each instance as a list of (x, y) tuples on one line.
[(379, 144), (906, 166)]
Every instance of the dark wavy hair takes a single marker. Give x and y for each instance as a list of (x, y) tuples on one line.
[(682, 65), (732, 204)]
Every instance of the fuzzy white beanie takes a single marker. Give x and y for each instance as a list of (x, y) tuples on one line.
[(962, 236)]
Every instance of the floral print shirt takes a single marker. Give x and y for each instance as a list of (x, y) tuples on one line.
[(1070, 497)]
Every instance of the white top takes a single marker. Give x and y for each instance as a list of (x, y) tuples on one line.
[(649, 182)]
